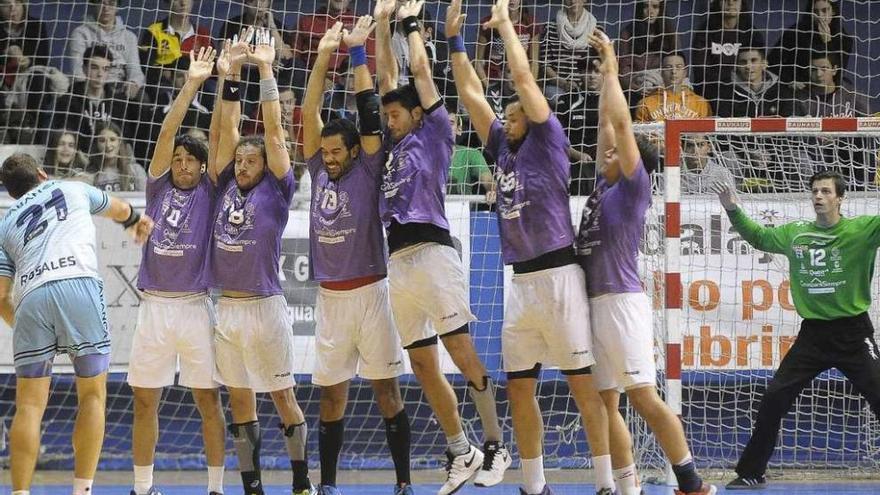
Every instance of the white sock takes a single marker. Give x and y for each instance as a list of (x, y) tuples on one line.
[(82, 487), (626, 480), (215, 479), (533, 475), (21, 492), (688, 458), (143, 479), (604, 475), (458, 445)]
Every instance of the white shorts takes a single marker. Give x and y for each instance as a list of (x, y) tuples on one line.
[(429, 292), (623, 337), (254, 343), (168, 329), (547, 321), (355, 334)]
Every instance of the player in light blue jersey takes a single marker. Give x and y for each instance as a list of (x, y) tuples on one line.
[(52, 297)]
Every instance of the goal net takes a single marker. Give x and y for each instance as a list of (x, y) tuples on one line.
[(715, 353), (733, 313)]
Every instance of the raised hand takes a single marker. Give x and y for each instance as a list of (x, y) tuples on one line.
[(500, 15), (410, 8), (240, 48), (384, 9), (725, 195), (201, 64), (360, 32), (454, 19), (602, 44), (264, 47), (224, 63), (330, 41)]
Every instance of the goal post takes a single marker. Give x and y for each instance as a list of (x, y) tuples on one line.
[(727, 315)]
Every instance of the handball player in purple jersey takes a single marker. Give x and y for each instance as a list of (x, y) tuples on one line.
[(612, 225), (253, 340), (176, 317), (546, 320), (354, 332), (429, 286)]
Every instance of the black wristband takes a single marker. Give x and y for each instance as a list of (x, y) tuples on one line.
[(133, 218), (411, 25), (231, 91), (369, 116)]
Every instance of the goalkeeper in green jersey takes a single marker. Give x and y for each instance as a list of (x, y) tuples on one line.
[(831, 263)]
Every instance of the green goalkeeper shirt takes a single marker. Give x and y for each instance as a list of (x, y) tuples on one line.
[(830, 268)]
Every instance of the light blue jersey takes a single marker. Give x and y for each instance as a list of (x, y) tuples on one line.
[(48, 234)]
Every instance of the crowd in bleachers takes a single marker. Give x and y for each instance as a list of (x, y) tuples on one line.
[(98, 119)]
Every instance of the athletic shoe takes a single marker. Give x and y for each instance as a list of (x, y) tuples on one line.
[(152, 491), (496, 460), (706, 489), (403, 490), (743, 483), (605, 491), (311, 490), (545, 491), (214, 493), (459, 469), (327, 490)]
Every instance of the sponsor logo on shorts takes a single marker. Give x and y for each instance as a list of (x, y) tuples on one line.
[(395, 363), (448, 317), (631, 373), (282, 375), (580, 353)]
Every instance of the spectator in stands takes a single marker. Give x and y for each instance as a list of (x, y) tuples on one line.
[(818, 31), (111, 164), (565, 49), (642, 45), (579, 115), (91, 101), (716, 42), (700, 169), (312, 27), (755, 91), (23, 41), (257, 13), (469, 173), (489, 62), (400, 45), (103, 27), (165, 41), (63, 158), (675, 99), (827, 95)]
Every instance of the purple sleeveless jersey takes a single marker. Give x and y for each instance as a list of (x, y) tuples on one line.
[(175, 257), (247, 233), (534, 215), (612, 225), (345, 238), (415, 174)]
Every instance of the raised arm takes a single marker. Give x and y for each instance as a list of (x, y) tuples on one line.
[(615, 123), (386, 64), (481, 58), (214, 129), (770, 239), (200, 67), (367, 99), (239, 49), (533, 102), (263, 54), (419, 65), (470, 90), (311, 111)]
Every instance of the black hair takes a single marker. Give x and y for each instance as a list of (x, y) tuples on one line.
[(193, 146), (676, 53), (98, 50), (837, 177), (406, 95), (716, 16), (20, 173), (345, 128)]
